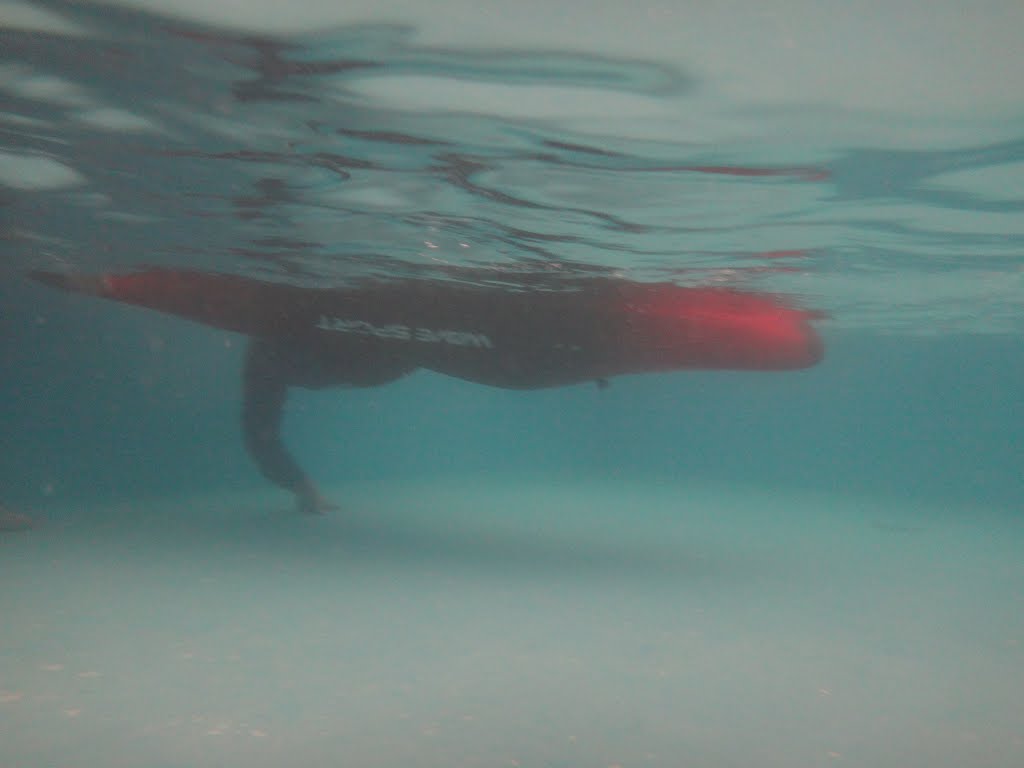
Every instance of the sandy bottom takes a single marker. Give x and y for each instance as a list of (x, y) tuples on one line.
[(515, 623)]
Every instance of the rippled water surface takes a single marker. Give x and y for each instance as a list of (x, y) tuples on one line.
[(364, 148)]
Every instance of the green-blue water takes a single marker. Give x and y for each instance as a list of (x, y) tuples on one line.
[(704, 569)]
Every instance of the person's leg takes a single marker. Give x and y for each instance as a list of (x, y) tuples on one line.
[(274, 365), (265, 390)]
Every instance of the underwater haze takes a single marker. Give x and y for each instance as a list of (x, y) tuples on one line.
[(708, 568)]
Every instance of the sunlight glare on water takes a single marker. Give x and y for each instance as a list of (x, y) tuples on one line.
[(876, 181)]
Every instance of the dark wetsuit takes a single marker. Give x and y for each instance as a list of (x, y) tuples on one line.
[(273, 365), (381, 333), (520, 339)]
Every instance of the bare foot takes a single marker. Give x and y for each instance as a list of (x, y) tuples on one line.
[(310, 502)]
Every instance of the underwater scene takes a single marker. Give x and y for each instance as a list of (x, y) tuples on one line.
[(524, 384)]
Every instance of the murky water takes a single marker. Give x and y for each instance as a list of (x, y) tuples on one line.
[(707, 568)]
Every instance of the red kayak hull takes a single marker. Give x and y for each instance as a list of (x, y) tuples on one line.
[(604, 328)]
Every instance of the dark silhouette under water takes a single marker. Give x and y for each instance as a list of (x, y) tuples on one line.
[(521, 339)]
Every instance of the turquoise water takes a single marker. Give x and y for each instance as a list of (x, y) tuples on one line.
[(711, 569)]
